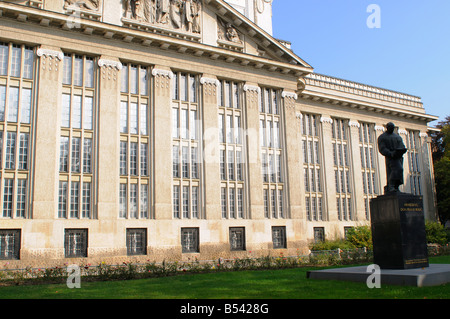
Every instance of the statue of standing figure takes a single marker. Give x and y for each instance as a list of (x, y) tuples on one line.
[(391, 146), (162, 11)]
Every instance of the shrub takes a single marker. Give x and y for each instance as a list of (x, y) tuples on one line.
[(436, 233), (330, 245), (360, 237)]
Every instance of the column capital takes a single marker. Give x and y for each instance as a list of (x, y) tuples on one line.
[(47, 53), (352, 123), (289, 95), (209, 81), (110, 64), (162, 73), (327, 120), (252, 88)]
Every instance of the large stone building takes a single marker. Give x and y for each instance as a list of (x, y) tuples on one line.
[(174, 129)]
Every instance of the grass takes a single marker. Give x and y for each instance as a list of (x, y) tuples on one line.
[(270, 284)]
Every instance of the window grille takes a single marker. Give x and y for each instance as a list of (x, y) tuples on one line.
[(279, 237), (136, 242), (237, 238), (75, 243), (10, 244), (190, 240)]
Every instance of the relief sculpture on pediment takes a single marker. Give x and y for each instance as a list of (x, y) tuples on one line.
[(227, 32), (183, 15), (83, 4)]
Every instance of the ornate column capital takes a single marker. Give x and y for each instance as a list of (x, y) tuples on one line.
[(209, 81), (162, 73), (110, 64), (354, 124), (289, 95), (252, 88), (52, 54), (327, 120)]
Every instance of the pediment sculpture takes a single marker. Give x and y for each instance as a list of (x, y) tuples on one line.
[(83, 4), (227, 32), (183, 15)]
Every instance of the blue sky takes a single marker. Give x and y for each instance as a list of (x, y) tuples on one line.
[(409, 53)]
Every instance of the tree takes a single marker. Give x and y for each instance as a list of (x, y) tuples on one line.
[(441, 160), (440, 139)]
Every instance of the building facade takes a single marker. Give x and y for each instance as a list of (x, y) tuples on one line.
[(167, 130)]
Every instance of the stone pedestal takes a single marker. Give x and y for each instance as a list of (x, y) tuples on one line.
[(398, 231)]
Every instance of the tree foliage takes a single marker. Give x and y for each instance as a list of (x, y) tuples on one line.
[(441, 160)]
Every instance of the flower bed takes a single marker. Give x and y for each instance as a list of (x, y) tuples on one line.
[(128, 270)]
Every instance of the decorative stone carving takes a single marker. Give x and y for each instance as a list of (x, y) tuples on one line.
[(289, 95), (289, 98), (353, 124), (50, 54), (110, 64), (253, 92), (83, 4), (50, 62), (327, 120), (210, 88), (206, 81), (109, 72), (162, 73), (252, 88), (162, 78), (183, 15), (226, 32), (301, 84)]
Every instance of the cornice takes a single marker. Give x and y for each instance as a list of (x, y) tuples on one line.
[(173, 42), (352, 104)]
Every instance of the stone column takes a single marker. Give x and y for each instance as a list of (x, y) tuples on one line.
[(163, 143), (381, 169), (108, 136), (211, 153), (354, 154), (328, 168), (427, 180), (406, 187), (256, 202), (46, 158), (292, 161)]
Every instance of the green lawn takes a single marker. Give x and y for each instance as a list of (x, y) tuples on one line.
[(271, 284)]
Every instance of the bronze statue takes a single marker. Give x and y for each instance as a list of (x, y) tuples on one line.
[(392, 147)]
